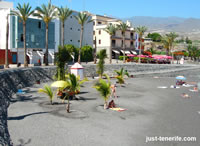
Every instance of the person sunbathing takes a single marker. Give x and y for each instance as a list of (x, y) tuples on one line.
[(111, 104)]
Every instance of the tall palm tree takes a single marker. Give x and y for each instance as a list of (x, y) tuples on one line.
[(46, 13), (7, 34), (82, 19), (123, 27), (63, 14), (103, 87), (171, 39), (111, 30), (23, 13), (140, 30)]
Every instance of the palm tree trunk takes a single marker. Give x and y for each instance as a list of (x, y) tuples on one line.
[(124, 47), (63, 26), (110, 57), (81, 39), (167, 51), (25, 50), (68, 106), (47, 42), (6, 54), (140, 49)]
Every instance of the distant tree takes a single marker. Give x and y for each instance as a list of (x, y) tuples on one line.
[(87, 53), (100, 66), (188, 41), (141, 30), (63, 14), (123, 27), (46, 13), (82, 19), (156, 37), (23, 13), (111, 30)]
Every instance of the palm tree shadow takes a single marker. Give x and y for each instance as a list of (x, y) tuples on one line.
[(24, 116), (23, 143)]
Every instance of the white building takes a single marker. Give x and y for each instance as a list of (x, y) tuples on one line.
[(103, 38)]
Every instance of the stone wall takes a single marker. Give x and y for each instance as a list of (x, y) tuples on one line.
[(10, 81), (135, 69)]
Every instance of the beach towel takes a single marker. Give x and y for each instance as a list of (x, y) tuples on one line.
[(118, 109), (193, 90)]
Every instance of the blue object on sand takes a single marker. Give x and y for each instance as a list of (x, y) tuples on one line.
[(20, 91)]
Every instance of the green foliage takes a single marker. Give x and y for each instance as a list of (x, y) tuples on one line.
[(152, 51), (194, 52), (156, 37), (122, 57), (86, 54), (188, 41), (63, 13), (120, 75), (100, 66), (135, 59), (72, 50), (103, 87), (48, 91), (61, 59)]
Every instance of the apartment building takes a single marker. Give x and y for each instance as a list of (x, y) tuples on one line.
[(102, 38), (35, 35)]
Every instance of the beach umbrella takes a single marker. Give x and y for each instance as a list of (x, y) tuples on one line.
[(131, 55), (181, 78), (59, 84)]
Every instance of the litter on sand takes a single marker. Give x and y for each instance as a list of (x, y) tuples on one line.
[(184, 95), (192, 90), (155, 77), (118, 109), (187, 85), (172, 86), (162, 87)]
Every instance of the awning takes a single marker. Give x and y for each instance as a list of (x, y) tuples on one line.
[(134, 52), (126, 52), (117, 52)]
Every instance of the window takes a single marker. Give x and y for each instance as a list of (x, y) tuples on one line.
[(71, 28), (78, 29), (78, 40), (99, 32), (71, 40), (21, 38), (39, 25), (99, 41), (32, 38), (94, 42), (93, 23), (93, 32), (99, 23)]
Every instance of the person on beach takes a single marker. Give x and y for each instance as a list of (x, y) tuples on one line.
[(113, 90)]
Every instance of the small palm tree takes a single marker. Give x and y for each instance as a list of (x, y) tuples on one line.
[(140, 30), (165, 41), (82, 19), (103, 87), (47, 90), (63, 14), (46, 13), (23, 13), (72, 86), (100, 66), (123, 27), (111, 30), (120, 75)]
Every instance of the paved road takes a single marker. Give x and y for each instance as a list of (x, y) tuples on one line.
[(150, 112)]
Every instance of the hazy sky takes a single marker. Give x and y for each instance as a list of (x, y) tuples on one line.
[(128, 8)]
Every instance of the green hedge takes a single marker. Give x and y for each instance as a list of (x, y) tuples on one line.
[(121, 57)]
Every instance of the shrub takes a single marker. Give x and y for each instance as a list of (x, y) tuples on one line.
[(121, 57), (147, 53), (86, 54), (135, 59)]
